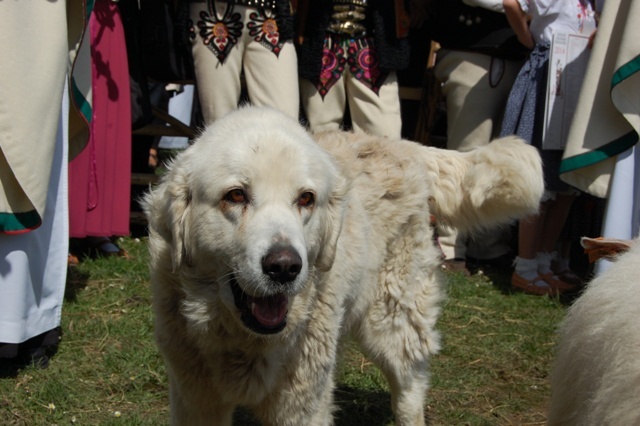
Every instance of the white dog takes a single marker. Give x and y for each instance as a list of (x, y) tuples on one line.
[(596, 372), (267, 246)]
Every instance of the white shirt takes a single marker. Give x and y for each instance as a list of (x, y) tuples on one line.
[(558, 16), (493, 5)]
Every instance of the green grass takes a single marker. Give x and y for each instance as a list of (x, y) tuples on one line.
[(493, 369), (494, 365)]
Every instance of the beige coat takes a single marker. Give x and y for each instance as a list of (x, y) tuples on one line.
[(607, 119), (33, 69)]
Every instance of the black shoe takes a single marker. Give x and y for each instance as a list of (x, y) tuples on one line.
[(35, 352), (36, 357)]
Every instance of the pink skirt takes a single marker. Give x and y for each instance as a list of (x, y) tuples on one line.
[(100, 176)]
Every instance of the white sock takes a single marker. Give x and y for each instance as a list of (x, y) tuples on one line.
[(526, 268), (562, 264), (544, 262)]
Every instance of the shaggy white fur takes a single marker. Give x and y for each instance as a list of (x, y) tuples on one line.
[(596, 372), (267, 246)]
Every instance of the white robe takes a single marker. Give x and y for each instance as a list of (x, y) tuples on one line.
[(33, 265), (38, 124)]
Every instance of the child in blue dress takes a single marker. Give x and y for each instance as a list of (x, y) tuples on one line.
[(535, 22)]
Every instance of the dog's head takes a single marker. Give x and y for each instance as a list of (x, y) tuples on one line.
[(247, 215)]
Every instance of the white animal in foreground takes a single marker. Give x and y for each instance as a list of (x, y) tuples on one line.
[(267, 246), (596, 373)]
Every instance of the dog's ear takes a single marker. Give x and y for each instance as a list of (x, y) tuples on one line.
[(168, 212), (332, 226), (180, 217)]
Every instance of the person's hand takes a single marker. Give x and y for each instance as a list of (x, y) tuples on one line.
[(592, 38), (518, 20), (527, 41)]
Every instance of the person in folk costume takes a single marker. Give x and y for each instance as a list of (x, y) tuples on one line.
[(535, 22), (250, 39), (348, 55), (477, 62)]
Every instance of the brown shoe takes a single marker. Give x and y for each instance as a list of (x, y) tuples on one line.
[(568, 276), (72, 260), (536, 286), (558, 284)]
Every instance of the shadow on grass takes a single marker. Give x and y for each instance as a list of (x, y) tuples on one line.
[(355, 407), (500, 277), (76, 281), (358, 407)]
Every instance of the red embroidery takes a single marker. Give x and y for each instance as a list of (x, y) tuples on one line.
[(220, 35), (264, 29), (361, 57)]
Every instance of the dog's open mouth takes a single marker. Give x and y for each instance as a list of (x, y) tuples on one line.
[(264, 315)]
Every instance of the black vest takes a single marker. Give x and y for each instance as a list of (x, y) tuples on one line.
[(456, 26)]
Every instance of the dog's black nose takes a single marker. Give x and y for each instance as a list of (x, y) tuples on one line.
[(282, 264)]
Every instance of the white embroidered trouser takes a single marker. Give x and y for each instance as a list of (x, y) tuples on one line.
[(377, 114), (476, 88), (270, 80)]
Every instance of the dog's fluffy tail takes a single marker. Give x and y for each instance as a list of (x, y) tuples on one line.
[(489, 186)]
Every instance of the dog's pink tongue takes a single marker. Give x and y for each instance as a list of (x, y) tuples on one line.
[(269, 311)]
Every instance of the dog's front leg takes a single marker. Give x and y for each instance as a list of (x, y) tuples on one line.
[(191, 409), (305, 395), (302, 401)]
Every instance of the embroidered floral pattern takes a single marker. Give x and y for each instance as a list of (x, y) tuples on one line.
[(364, 64), (264, 29), (191, 30), (584, 13), (333, 66), (360, 57), (220, 34)]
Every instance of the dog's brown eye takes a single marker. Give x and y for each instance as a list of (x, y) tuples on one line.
[(237, 196), (306, 199)]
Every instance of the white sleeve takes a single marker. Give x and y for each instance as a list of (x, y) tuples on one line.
[(493, 5), (524, 5)]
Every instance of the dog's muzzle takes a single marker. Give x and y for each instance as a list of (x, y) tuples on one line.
[(268, 315)]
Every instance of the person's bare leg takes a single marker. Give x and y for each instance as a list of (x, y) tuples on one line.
[(557, 213), (529, 231), (525, 275)]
